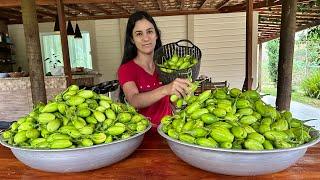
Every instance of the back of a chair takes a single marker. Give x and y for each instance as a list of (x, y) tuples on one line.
[(211, 85)]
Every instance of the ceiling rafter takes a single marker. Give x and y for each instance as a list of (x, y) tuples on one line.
[(204, 3), (14, 3), (137, 5), (45, 13), (80, 9), (182, 4), (299, 28), (99, 9), (257, 5), (15, 11), (120, 8), (7, 14), (160, 4), (221, 4), (278, 18), (298, 14), (269, 10), (54, 9)]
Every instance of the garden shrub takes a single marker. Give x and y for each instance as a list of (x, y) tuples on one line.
[(311, 85)]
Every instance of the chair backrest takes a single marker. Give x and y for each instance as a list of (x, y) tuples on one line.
[(211, 85), (220, 84)]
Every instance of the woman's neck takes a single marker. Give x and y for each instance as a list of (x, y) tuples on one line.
[(145, 60)]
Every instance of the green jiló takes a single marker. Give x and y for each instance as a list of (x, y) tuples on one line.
[(75, 118), (232, 119)]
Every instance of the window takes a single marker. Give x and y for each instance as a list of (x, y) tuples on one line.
[(79, 51)]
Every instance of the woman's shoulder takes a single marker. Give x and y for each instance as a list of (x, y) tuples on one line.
[(127, 66)]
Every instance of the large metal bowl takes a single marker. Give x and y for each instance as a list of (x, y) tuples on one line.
[(77, 159), (237, 162)]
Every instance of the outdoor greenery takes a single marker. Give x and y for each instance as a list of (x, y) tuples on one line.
[(273, 54), (311, 85), (306, 67)]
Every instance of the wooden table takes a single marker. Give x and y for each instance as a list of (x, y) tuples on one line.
[(154, 160)]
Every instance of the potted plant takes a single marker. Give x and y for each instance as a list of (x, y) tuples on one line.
[(56, 67)]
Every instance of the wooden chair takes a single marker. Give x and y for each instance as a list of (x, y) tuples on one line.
[(211, 85)]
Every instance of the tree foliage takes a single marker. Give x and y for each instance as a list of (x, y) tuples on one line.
[(312, 43), (273, 54)]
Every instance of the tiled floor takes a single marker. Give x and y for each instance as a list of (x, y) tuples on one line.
[(300, 111)]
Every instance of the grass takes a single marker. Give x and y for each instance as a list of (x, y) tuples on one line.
[(296, 95)]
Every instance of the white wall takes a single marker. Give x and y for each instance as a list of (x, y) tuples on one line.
[(173, 28), (221, 38), (108, 48)]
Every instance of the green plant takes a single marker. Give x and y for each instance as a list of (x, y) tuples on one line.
[(54, 62), (311, 85), (273, 56)]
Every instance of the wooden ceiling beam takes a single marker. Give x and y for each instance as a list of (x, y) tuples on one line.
[(157, 13), (99, 9), (120, 8), (300, 18), (15, 11), (278, 9), (182, 4), (278, 21), (9, 14), (80, 9), (221, 4), (54, 9), (297, 15), (256, 6), (45, 13), (204, 4), (15, 3), (299, 28), (137, 6), (160, 4)]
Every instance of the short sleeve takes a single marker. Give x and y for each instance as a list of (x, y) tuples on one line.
[(125, 74)]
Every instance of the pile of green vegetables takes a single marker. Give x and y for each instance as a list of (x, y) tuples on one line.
[(229, 118), (176, 63), (75, 118)]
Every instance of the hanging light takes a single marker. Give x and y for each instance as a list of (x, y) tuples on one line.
[(56, 24), (70, 30), (77, 33)]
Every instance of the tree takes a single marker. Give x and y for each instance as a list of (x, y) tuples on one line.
[(273, 56), (313, 46)]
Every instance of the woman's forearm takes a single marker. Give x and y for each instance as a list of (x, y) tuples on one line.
[(142, 100)]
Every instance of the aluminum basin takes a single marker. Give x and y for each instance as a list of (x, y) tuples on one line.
[(77, 159), (237, 162)]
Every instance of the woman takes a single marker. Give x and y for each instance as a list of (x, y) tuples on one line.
[(137, 76)]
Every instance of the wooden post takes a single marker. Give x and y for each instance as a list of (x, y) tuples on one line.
[(64, 42), (249, 20), (31, 32), (286, 51)]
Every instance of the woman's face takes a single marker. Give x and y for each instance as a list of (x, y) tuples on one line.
[(144, 36)]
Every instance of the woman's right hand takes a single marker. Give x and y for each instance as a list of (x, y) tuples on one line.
[(179, 87)]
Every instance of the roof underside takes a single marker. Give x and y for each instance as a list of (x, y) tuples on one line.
[(308, 14)]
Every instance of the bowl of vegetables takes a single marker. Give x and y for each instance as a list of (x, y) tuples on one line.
[(78, 131), (230, 132)]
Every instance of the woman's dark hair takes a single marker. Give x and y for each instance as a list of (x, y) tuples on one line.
[(130, 49)]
